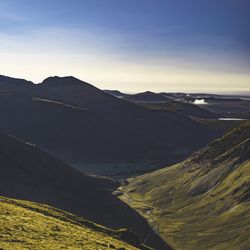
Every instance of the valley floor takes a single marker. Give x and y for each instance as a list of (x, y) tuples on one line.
[(198, 223)]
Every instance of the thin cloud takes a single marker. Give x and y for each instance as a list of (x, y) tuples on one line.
[(12, 17)]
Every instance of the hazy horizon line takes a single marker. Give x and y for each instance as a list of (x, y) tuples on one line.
[(186, 91)]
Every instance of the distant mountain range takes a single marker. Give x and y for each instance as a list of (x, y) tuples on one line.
[(148, 96), (202, 202), (184, 103), (165, 101), (81, 124)]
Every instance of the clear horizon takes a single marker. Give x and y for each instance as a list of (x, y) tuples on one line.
[(130, 46)]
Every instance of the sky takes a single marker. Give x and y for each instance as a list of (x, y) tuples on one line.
[(130, 45)]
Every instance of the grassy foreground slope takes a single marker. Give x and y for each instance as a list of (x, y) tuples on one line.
[(203, 202), (27, 225)]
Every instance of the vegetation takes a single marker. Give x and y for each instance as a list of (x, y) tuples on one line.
[(203, 202), (26, 225)]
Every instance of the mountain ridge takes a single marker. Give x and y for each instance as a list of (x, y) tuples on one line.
[(202, 202), (135, 134)]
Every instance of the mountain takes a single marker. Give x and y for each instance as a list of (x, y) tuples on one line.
[(81, 124), (71, 133), (10, 83), (146, 97), (202, 202), (115, 93), (29, 173), (27, 225)]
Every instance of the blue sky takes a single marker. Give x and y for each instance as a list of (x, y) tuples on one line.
[(132, 45)]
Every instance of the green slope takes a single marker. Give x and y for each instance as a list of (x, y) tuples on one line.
[(27, 225), (203, 202)]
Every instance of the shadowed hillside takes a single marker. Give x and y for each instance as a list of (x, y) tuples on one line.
[(31, 174), (81, 124), (27, 225), (203, 202), (73, 133)]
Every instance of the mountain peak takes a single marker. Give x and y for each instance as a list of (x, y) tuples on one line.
[(11, 80), (65, 80), (147, 96), (147, 93)]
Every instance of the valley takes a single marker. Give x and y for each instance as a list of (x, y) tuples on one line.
[(66, 144), (124, 125), (202, 202), (28, 173)]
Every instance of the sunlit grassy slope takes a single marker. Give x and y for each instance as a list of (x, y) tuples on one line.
[(203, 202), (27, 225)]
